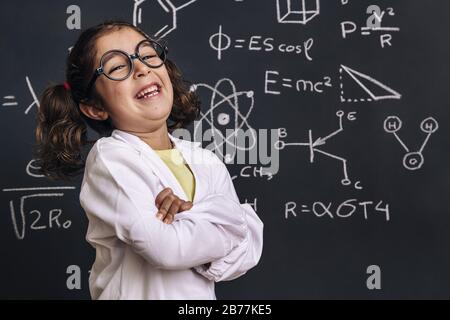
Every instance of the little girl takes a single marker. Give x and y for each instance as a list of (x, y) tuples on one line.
[(162, 228)]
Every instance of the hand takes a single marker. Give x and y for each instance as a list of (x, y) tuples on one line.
[(169, 205)]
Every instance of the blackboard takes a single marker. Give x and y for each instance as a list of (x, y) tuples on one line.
[(354, 98)]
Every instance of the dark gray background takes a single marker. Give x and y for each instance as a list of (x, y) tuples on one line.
[(305, 256)]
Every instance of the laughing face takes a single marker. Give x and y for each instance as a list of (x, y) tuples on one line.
[(142, 102)]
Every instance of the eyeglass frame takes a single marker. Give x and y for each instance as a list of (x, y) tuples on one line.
[(131, 57)]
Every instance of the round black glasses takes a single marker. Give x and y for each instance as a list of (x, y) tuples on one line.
[(118, 65)]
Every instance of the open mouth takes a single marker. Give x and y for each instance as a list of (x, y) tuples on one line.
[(149, 92)]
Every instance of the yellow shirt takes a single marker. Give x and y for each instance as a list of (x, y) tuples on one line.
[(176, 163)]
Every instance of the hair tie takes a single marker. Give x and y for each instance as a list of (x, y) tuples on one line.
[(66, 85)]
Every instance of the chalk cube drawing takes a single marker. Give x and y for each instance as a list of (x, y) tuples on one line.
[(297, 11)]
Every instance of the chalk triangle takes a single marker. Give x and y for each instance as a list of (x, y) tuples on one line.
[(374, 89)]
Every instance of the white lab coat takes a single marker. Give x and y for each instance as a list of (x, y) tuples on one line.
[(140, 257)]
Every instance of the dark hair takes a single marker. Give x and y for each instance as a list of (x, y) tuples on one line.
[(61, 131)]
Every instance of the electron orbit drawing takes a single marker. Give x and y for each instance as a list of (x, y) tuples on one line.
[(412, 160), (162, 14), (225, 115), (313, 144)]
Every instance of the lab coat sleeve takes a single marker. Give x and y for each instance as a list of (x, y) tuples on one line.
[(248, 253), (116, 189)]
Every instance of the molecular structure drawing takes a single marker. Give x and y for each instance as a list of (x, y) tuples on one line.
[(313, 145), (412, 160), (230, 116), (167, 7)]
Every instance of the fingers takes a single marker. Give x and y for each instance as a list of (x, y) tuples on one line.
[(169, 205), (169, 208), (161, 196), (187, 205), (165, 207), (177, 207), (173, 210)]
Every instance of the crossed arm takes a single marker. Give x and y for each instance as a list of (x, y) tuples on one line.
[(215, 230)]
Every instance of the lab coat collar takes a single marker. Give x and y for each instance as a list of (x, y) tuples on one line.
[(168, 179)]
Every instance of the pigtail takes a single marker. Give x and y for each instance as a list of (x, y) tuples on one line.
[(60, 133)]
